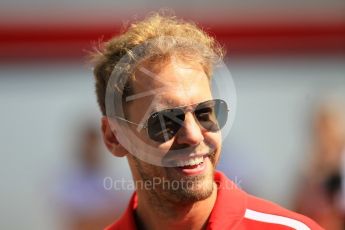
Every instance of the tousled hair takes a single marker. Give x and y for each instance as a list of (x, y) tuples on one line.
[(160, 38)]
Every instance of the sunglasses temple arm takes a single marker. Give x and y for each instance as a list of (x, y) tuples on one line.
[(133, 123)]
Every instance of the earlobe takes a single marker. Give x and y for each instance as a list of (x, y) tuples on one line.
[(110, 140)]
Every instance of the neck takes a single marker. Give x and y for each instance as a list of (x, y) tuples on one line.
[(152, 213)]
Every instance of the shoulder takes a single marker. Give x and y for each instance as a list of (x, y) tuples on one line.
[(260, 212)]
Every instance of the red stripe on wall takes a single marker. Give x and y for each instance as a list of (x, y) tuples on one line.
[(63, 41)]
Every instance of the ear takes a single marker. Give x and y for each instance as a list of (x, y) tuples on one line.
[(110, 139)]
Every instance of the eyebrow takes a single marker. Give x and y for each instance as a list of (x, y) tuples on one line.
[(160, 107), (170, 106)]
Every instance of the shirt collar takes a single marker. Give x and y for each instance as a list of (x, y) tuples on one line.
[(230, 205), (227, 212)]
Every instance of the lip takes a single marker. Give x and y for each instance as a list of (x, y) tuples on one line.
[(199, 169), (172, 162)]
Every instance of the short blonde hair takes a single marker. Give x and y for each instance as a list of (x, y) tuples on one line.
[(183, 40)]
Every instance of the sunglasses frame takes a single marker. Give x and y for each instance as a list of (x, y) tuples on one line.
[(145, 125)]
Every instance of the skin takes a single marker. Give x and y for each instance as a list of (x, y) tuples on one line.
[(186, 84)]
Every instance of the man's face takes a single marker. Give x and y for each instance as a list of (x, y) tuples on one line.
[(184, 84)]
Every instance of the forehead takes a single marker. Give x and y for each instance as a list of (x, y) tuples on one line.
[(174, 84)]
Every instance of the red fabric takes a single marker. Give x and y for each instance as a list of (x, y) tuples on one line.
[(229, 211)]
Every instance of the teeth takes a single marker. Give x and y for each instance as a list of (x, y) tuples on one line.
[(191, 161)]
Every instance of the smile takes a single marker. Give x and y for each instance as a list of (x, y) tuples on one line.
[(190, 162)]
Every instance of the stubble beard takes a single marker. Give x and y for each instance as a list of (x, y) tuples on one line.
[(176, 188)]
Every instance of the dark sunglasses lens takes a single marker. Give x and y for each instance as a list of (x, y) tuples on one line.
[(212, 115), (163, 125)]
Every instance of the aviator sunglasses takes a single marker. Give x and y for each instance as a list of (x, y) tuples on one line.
[(163, 125)]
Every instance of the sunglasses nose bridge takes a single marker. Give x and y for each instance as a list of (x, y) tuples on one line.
[(190, 132)]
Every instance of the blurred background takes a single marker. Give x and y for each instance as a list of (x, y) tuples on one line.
[(287, 59)]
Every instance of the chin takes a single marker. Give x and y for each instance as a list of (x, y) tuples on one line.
[(191, 188)]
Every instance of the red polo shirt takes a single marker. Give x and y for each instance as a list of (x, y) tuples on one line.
[(235, 209)]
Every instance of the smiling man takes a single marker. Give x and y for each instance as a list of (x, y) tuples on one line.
[(153, 88)]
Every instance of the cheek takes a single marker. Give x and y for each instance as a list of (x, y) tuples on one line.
[(142, 170), (213, 139)]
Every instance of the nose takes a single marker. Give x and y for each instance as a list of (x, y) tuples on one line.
[(190, 133)]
